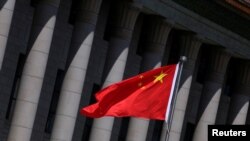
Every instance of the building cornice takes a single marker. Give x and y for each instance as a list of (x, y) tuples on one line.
[(201, 25)]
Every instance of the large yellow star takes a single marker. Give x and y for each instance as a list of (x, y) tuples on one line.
[(160, 77)]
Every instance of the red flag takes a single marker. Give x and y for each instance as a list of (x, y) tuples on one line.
[(147, 95)]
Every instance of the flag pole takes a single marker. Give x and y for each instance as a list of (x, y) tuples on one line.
[(173, 101)]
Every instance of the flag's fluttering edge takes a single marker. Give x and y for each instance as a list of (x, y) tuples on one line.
[(147, 95)]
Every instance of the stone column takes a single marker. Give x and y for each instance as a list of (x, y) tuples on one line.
[(211, 93), (190, 45), (155, 42), (6, 12), (125, 18), (34, 70), (71, 91), (241, 95)]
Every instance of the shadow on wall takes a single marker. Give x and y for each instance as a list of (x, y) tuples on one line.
[(43, 17), (248, 117), (236, 108), (235, 89), (2, 3), (121, 45), (210, 90), (82, 33), (205, 101)]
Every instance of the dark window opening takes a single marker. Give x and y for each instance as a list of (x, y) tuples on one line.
[(33, 3), (174, 55), (141, 42), (75, 7), (89, 121), (157, 130), (15, 86), (203, 62), (189, 132), (108, 28), (87, 129), (124, 129), (112, 16), (140, 47), (230, 79), (54, 101), (169, 43), (95, 89)]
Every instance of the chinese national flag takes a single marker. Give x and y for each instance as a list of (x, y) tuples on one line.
[(147, 95)]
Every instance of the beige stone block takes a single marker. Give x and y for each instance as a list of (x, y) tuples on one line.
[(174, 136), (177, 120), (5, 20), (137, 130), (36, 64), (26, 114), (19, 134), (67, 128), (74, 80), (69, 104), (101, 129), (30, 88)]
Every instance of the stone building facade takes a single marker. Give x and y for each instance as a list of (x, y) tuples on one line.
[(55, 54)]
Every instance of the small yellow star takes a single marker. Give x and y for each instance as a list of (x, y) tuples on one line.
[(160, 77)]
